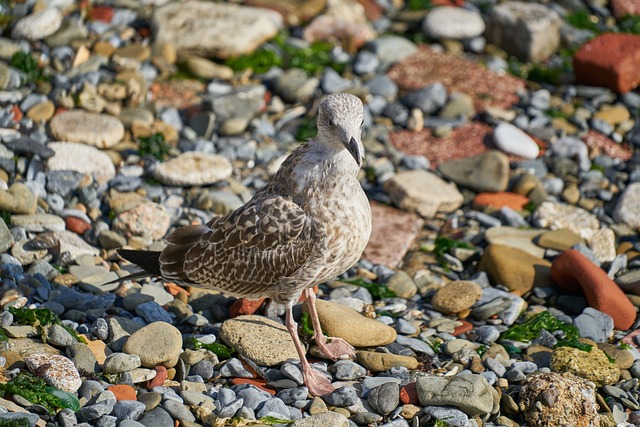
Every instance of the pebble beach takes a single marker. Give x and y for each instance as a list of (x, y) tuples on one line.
[(501, 283)]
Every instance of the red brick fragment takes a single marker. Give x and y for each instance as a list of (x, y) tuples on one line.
[(462, 329), (77, 225), (409, 394), (159, 379), (610, 60), (573, 272)]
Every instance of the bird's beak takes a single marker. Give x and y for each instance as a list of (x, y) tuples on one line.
[(354, 148)]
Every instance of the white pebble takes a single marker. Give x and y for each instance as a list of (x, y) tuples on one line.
[(512, 140)]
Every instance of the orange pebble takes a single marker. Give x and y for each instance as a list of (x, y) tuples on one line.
[(123, 392), (174, 289), (501, 199)]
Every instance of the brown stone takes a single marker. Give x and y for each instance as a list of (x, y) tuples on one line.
[(610, 60), (456, 296), (517, 270), (392, 235), (559, 240)]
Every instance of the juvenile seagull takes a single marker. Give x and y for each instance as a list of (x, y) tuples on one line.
[(309, 224)]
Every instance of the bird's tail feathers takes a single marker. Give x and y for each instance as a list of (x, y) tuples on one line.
[(149, 261)]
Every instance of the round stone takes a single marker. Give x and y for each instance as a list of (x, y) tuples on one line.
[(456, 296), (98, 130), (449, 22), (158, 343), (147, 219), (193, 168)]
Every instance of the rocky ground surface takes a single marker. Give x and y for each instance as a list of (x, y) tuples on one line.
[(502, 282)]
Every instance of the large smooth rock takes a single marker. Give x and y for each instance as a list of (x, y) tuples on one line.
[(485, 172), (98, 130), (193, 168), (57, 371), (219, 30), (73, 156), (517, 270), (38, 25), (472, 394), (158, 343), (358, 330), (423, 192), (260, 339)]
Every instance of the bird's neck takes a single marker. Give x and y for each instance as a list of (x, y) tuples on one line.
[(318, 166)]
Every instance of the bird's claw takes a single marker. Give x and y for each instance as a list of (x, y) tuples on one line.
[(337, 348), (317, 383)]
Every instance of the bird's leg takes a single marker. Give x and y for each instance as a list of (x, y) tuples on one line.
[(317, 383), (332, 347)]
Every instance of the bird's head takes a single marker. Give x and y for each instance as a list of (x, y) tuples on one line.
[(340, 122)]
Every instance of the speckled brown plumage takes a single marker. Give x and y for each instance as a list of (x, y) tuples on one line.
[(309, 224)]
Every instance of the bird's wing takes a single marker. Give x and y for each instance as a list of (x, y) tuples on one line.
[(245, 252)]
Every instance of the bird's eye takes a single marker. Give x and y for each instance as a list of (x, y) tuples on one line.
[(331, 123)]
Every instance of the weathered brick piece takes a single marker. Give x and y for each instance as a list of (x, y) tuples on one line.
[(610, 60)]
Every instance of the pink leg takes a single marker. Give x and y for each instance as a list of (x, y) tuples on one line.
[(333, 348), (317, 383)]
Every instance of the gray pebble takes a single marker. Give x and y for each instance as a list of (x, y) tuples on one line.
[(128, 409), (273, 407), (454, 417), (231, 409), (253, 397), (290, 395), (178, 411), (384, 398), (157, 417), (234, 368), (343, 396), (347, 370)]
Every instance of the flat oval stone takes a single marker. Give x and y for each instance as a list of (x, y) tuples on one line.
[(512, 140), (57, 371), (73, 156), (450, 22), (193, 168), (98, 130)]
